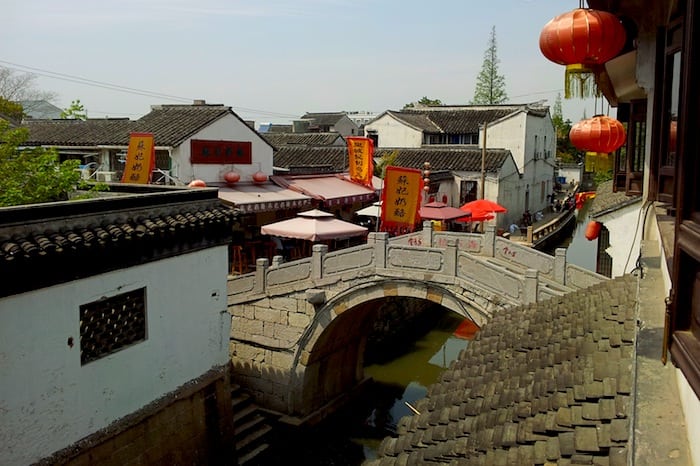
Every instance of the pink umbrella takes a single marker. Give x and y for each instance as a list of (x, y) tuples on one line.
[(439, 211), (314, 225)]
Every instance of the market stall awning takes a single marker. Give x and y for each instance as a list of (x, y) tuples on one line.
[(314, 225), (332, 190), (263, 197)]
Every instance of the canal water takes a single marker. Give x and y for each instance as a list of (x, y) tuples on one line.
[(353, 435)]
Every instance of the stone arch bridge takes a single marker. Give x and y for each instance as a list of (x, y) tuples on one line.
[(299, 328)]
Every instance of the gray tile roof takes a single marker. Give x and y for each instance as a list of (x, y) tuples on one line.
[(548, 383), (309, 139), (293, 156), (606, 200), (170, 124), (324, 118), (454, 158), (460, 119), (79, 133)]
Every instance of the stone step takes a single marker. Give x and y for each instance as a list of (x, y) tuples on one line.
[(251, 440), (251, 426), (252, 454), (240, 414)]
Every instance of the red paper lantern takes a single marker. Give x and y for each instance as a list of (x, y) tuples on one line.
[(598, 134), (584, 36), (592, 230), (231, 177), (579, 39), (197, 184), (259, 177)]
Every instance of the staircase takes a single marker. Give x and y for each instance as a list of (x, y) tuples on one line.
[(251, 426)]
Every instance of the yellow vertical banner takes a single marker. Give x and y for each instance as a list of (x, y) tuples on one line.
[(401, 198), (361, 162), (140, 159)]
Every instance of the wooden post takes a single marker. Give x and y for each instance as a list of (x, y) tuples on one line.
[(483, 162)]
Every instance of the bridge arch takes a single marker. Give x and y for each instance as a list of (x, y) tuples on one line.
[(330, 356)]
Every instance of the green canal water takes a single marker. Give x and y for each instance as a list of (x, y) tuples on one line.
[(354, 433)]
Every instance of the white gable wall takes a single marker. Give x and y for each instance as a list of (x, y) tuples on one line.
[(531, 140), (394, 133), (228, 128), (49, 401)]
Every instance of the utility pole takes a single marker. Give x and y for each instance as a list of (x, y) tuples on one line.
[(483, 162)]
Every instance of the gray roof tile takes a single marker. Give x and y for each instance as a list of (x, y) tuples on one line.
[(562, 397)]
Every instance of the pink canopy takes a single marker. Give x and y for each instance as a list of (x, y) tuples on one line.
[(439, 211), (314, 225)]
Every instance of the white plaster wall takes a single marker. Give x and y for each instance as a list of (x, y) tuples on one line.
[(228, 128), (393, 133), (625, 227), (48, 401), (517, 134), (691, 410), (571, 173), (508, 134)]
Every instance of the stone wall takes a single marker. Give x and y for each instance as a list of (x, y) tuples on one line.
[(193, 425)]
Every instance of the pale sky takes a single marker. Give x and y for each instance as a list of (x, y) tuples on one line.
[(274, 60)]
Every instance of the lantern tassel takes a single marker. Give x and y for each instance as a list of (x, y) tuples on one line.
[(579, 82)]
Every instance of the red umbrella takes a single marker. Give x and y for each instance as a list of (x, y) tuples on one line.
[(439, 211), (481, 209)]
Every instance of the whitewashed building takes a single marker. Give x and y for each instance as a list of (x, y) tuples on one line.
[(526, 131), (114, 323)]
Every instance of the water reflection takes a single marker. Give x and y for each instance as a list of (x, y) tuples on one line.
[(579, 250), (354, 434)]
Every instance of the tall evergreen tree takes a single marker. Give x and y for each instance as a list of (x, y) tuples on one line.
[(490, 85)]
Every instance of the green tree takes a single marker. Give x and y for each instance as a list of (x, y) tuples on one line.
[(11, 110), (425, 102), (566, 152), (387, 160), (29, 176), (490, 84), (76, 111)]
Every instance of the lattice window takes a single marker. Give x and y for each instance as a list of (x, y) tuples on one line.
[(111, 324)]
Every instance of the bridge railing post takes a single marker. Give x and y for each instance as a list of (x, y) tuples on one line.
[(261, 266), (530, 289), (428, 233), (560, 265), (380, 241), (317, 253), (490, 240), (451, 257)]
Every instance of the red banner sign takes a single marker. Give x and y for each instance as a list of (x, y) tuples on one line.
[(221, 152), (140, 159), (361, 163), (401, 198)]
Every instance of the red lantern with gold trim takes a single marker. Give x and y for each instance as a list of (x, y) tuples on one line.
[(598, 134), (579, 39)]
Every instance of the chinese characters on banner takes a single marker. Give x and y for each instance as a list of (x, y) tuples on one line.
[(140, 159), (401, 199), (361, 153)]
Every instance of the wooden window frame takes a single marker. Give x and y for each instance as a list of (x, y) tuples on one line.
[(684, 319)]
